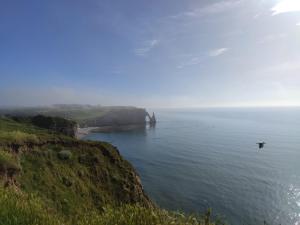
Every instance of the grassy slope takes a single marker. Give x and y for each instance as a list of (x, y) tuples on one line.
[(77, 113), (23, 209), (55, 179), (12, 132)]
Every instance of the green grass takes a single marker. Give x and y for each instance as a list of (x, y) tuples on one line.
[(20, 133), (18, 137), (80, 114), (77, 114), (62, 180), (138, 215), (8, 125), (12, 132), (87, 180), (17, 208), (7, 160)]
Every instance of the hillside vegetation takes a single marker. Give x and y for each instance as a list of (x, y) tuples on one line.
[(85, 115), (49, 178)]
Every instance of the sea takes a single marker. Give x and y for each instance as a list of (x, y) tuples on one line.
[(195, 159)]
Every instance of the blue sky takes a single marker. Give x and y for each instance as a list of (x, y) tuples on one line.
[(169, 53)]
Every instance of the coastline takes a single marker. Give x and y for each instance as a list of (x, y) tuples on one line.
[(82, 132)]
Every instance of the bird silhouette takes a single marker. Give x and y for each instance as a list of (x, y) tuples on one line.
[(261, 144)]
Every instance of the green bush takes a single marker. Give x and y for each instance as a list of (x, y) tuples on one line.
[(65, 155)]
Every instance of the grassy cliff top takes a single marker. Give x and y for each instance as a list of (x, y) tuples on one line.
[(49, 178), (79, 113)]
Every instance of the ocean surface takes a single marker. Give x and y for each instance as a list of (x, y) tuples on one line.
[(196, 159)]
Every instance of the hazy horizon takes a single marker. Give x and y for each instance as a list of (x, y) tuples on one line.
[(12, 107), (170, 54)]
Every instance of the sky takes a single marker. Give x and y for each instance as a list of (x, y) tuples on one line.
[(170, 53)]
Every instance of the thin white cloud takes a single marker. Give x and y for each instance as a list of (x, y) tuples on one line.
[(214, 8), (272, 37), (298, 24), (191, 62), (184, 14), (285, 6), (219, 7), (198, 60), (148, 46), (217, 52)]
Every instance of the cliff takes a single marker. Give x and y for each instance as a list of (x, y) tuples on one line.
[(48, 178), (86, 115), (72, 176), (53, 124), (117, 117)]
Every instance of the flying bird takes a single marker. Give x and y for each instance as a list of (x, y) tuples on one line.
[(261, 144)]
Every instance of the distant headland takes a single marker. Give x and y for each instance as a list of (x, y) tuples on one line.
[(90, 118)]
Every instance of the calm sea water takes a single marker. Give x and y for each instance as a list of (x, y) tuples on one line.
[(196, 159)]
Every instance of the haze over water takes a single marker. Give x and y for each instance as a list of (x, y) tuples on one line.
[(195, 159)]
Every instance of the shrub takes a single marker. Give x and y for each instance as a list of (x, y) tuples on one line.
[(65, 155)]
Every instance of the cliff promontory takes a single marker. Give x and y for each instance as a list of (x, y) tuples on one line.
[(86, 115), (49, 178), (70, 175)]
